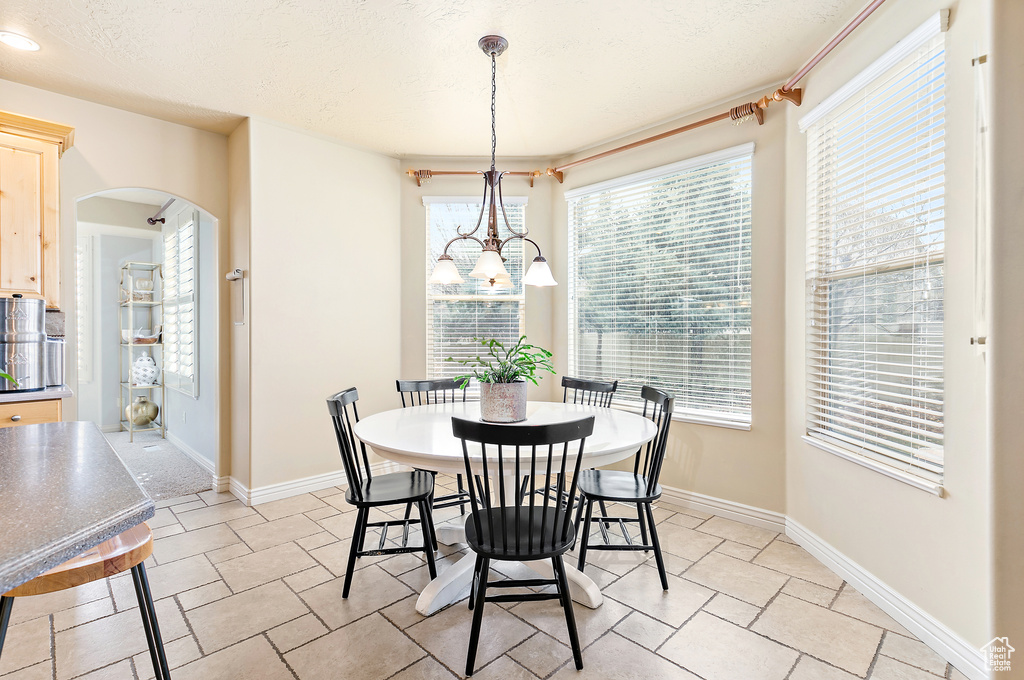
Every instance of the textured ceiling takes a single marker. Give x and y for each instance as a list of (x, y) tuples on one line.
[(405, 77)]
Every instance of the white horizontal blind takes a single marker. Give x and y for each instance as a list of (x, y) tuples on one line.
[(457, 313), (659, 285), (875, 266), (179, 308)]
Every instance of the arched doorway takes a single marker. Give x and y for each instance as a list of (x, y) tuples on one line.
[(146, 286)]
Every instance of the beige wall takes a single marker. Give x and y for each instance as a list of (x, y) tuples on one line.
[(414, 266), (325, 281), (115, 149), (742, 466), (934, 551), (235, 461), (1007, 329)]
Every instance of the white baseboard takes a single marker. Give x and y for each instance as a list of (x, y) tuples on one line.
[(221, 484), (947, 644), (275, 492), (748, 514), (110, 428), (200, 460)]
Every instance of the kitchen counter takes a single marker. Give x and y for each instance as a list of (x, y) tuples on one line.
[(63, 490), (62, 392)]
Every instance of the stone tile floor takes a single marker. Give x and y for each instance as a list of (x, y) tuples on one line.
[(255, 593)]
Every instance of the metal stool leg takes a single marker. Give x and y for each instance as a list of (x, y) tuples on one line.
[(6, 605), (149, 622)]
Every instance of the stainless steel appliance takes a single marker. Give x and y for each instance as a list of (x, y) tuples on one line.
[(23, 343), (54, 362)]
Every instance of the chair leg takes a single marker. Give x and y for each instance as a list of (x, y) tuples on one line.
[(149, 622), (462, 490), (570, 619), (579, 517), (586, 535), (430, 521), (603, 526), (641, 518), (6, 605), (478, 613), (353, 551), (427, 528), (657, 546), (473, 583)]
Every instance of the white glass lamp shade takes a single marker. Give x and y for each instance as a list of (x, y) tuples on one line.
[(539, 274), (489, 266), (445, 272)]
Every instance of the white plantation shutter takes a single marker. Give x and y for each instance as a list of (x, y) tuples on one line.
[(457, 313), (875, 251), (179, 298), (659, 284), (83, 303)]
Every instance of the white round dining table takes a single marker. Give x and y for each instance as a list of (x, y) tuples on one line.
[(421, 437)]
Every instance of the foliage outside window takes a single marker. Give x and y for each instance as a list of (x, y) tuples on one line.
[(876, 261), (458, 313), (659, 284)]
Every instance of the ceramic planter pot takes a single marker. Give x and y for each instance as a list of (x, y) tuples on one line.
[(503, 402)]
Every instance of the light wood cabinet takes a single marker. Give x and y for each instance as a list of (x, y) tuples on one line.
[(30, 206), (16, 413)]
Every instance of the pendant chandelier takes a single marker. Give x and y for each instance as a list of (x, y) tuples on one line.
[(490, 267)]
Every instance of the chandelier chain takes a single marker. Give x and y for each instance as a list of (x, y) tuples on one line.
[(494, 134)]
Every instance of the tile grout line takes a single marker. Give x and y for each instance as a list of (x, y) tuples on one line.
[(53, 644), (878, 653)]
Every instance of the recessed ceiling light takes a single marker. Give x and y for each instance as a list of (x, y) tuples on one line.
[(18, 42)]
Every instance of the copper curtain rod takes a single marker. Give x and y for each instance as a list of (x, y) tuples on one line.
[(744, 112)]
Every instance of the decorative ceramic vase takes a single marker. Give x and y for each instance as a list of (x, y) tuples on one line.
[(141, 412), (144, 370), (503, 402)]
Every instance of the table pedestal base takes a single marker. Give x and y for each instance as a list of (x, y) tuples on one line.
[(452, 584)]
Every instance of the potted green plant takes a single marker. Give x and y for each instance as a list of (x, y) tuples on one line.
[(9, 378), (503, 375)]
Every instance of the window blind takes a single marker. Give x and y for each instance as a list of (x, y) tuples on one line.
[(659, 284), (875, 269), (179, 304), (458, 313)]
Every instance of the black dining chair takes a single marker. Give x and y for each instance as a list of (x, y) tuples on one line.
[(366, 491), (639, 487), (507, 525), (591, 392), (441, 391)]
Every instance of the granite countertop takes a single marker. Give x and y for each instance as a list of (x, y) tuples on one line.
[(63, 490), (62, 392)]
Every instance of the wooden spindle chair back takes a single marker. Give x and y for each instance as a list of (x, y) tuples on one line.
[(547, 456), (344, 413), (590, 392), (658, 406), (425, 392)]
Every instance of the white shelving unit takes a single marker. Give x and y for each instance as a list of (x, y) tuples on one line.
[(133, 314)]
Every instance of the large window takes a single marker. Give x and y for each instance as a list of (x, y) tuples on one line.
[(876, 260), (659, 284), (180, 315), (458, 313)]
